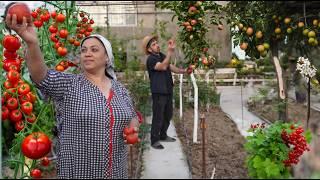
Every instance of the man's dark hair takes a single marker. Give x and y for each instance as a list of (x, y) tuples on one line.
[(150, 42)]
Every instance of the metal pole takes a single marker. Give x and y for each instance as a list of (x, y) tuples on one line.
[(203, 127), (131, 162)]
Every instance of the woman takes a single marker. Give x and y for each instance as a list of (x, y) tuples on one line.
[(92, 108)]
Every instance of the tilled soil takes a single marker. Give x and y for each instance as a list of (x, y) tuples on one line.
[(224, 149)]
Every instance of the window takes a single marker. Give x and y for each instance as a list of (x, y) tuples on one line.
[(122, 15)]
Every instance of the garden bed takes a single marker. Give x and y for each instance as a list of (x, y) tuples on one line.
[(224, 147)]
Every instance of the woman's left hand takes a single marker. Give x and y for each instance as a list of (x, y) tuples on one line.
[(130, 135)]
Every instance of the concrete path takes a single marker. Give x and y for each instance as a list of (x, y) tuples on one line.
[(167, 163), (233, 104)]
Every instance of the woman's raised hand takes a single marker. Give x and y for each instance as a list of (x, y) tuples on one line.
[(25, 30)]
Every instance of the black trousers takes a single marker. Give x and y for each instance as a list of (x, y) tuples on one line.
[(162, 114)]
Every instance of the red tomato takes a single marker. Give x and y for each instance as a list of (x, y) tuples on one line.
[(86, 34), (31, 118), (53, 14), (57, 45), (71, 40), (60, 18), (76, 43), (13, 76), (38, 23), (35, 173), (84, 20), (53, 29), (81, 14), (53, 37), (4, 113), (24, 98), (15, 115), (23, 88), (12, 103), (79, 36), (21, 10), (26, 107), (59, 68), (3, 100), (45, 161), (132, 138), (34, 14), (33, 97), (63, 33), (6, 95), (64, 64), (9, 54), (36, 145), (62, 51), (7, 84), (91, 21), (89, 29), (11, 43), (19, 125), (9, 62), (127, 131)]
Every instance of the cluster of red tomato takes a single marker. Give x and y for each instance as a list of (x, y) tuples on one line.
[(64, 65), (84, 28), (41, 15), (17, 99)]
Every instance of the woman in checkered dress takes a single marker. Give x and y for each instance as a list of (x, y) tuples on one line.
[(92, 108)]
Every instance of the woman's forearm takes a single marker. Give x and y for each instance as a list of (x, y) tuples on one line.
[(35, 62)]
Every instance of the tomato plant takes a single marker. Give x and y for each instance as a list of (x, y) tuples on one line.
[(27, 112)]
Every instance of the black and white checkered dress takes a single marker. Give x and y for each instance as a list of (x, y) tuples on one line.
[(90, 127)]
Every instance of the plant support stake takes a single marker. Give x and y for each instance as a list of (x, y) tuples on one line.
[(203, 127)]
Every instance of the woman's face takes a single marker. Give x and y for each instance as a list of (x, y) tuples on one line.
[(93, 55)]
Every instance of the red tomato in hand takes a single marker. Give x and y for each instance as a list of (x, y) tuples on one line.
[(11, 43), (36, 145), (127, 131), (35, 173), (45, 161), (132, 138), (21, 10), (27, 107)]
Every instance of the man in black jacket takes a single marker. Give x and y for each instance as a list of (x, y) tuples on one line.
[(159, 69)]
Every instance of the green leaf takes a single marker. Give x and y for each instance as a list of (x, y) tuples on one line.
[(257, 162), (271, 168)]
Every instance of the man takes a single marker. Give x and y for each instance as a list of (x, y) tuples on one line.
[(159, 69)]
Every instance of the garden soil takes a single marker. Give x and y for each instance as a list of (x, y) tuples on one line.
[(223, 148)]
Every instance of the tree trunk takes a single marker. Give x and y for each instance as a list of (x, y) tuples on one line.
[(281, 82)]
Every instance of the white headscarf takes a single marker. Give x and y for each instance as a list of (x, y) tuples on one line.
[(107, 46)]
